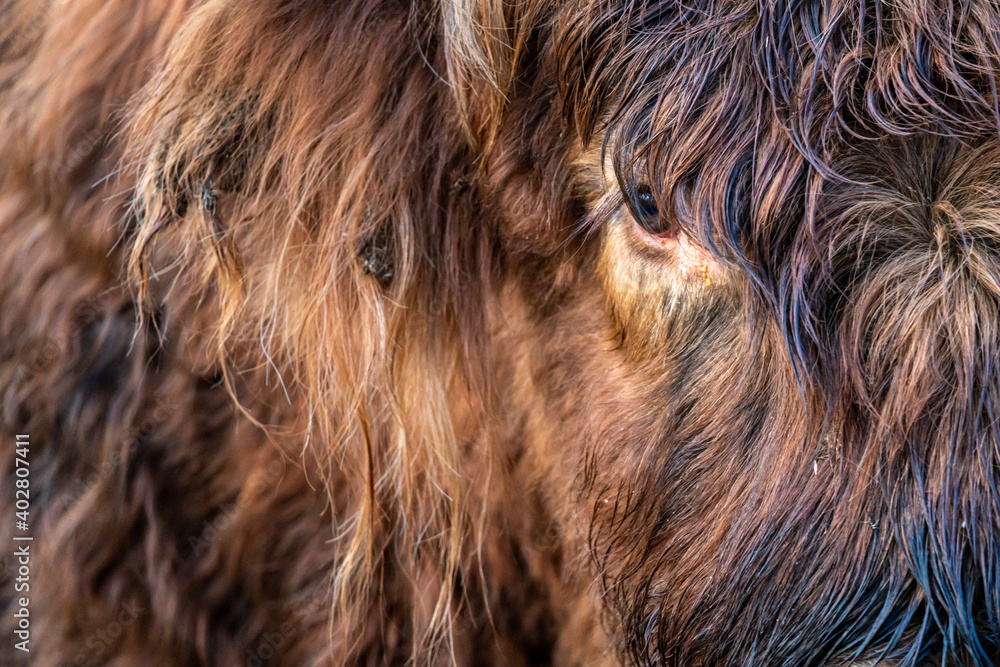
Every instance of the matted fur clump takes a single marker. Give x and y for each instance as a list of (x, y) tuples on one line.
[(482, 332)]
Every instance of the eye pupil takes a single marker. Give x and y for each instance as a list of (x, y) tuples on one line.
[(646, 211), (645, 203)]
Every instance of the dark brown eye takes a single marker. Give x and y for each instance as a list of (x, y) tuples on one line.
[(646, 211), (645, 203)]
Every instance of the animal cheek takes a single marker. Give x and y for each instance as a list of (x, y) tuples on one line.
[(675, 248), (659, 290)]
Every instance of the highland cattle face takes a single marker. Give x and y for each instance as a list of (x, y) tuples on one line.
[(595, 332)]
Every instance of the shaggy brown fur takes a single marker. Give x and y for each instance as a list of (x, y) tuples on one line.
[(487, 332)]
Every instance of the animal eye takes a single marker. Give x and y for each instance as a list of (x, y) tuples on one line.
[(645, 203), (646, 211)]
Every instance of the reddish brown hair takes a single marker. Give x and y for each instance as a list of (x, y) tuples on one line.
[(493, 332)]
